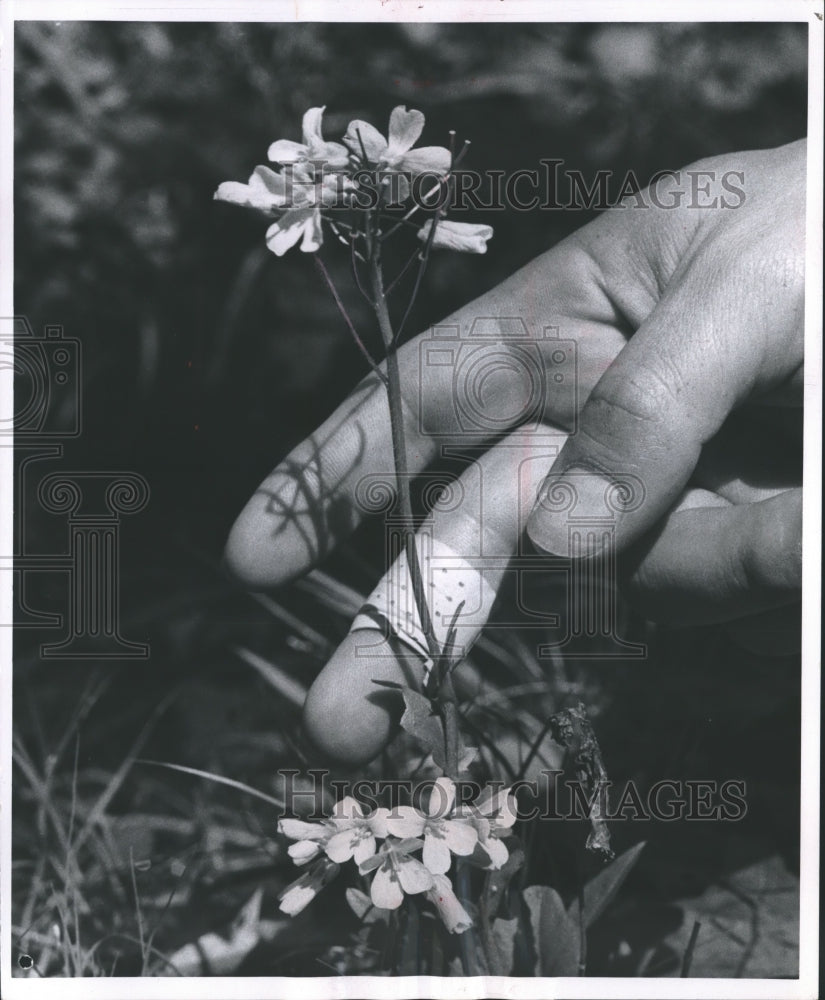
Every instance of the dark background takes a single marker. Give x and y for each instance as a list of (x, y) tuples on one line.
[(205, 358)]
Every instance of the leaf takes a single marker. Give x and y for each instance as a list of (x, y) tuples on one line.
[(750, 925), (555, 935), (419, 720), (504, 935), (498, 880), (601, 889), (364, 908)]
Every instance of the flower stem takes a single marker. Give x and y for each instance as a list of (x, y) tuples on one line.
[(399, 449), (360, 344)]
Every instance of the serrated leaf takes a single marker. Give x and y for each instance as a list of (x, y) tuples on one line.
[(601, 889), (555, 935)]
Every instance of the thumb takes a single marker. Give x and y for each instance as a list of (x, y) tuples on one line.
[(712, 341)]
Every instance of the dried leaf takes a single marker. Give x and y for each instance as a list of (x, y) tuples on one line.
[(571, 729)]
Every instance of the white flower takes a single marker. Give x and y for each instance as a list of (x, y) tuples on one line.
[(397, 154), (295, 196), (310, 838), (442, 835), (333, 154), (355, 835), (300, 893), (492, 814), (266, 191), (466, 237), (456, 918), (396, 873)]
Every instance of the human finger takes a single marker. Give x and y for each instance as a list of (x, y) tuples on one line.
[(465, 548), (713, 561)]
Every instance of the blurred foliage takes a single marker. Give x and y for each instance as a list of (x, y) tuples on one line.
[(205, 357)]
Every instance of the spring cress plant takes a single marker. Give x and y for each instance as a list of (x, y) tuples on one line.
[(358, 191)]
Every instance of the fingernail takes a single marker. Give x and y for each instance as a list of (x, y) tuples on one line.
[(569, 516)]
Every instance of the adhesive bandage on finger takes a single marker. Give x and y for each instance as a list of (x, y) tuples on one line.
[(450, 583)]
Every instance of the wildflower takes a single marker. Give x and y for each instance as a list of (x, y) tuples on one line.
[(313, 148), (442, 835), (266, 191), (464, 236), (396, 153), (310, 838), (456, 918), (356, 833), (296, 196), (300, 893), (396, 873), (492, 814)]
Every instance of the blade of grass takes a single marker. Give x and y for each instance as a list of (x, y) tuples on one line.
[(286, 686), (217, 778)]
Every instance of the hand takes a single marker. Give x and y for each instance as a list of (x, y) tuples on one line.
[(688, 324)]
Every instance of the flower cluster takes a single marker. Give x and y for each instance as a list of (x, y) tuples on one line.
[(445, 829), (363, 172)]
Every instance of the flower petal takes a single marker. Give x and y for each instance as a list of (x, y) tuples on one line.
[(297, 898), (313, 234), (361, 137), (442, 796), (469, 238), (340, 846), (303, 851), (405, 130), (311, 125), (298, 829), (461, 838), (496, 851), (436, 855), (264, 192), (413, 876), (346, 811), (364, 848), (456, 918), (286, 151), (378, 822), (385, 890), (286, 232), (333, 154), (396, 188), (426, 160), (405, 821)]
